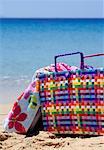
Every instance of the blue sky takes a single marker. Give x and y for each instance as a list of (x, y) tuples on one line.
[(52, 8)]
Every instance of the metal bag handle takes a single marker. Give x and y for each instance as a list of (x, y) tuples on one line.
[(81, 56)]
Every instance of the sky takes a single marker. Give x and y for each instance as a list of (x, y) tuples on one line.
[(52, 8)]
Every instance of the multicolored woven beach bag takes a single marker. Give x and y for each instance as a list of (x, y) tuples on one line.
[(73, 101)]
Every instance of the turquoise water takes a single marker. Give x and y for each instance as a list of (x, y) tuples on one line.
[(28, 44)]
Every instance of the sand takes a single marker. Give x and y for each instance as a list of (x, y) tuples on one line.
[(44, 140)]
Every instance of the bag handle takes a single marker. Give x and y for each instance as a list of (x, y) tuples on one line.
[(93, 55), (81, 56)]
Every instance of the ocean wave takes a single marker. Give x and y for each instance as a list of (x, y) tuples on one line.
[(16, 80), (5, 77)]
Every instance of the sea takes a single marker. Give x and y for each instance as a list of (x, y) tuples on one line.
[(29, 44)]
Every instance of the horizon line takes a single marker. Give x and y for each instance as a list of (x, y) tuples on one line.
[(51, 18)]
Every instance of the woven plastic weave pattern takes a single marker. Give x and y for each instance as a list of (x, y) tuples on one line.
[(73, 102)]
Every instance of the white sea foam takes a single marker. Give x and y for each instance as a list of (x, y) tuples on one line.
[(9, 80), (5, 77)]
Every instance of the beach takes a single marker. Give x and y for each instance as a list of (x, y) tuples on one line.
[(44, 140), (29, 44)]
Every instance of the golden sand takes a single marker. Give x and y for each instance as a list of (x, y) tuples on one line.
[(44, 140)]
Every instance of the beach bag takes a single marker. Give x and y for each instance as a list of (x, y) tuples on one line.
[(72, 102)]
